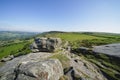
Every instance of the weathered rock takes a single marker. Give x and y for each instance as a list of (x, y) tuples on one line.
[(81, 69), (110, 49), (10, 57), (46, 44), (34, 66)]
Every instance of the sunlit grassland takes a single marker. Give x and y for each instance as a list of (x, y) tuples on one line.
[(14, 49), (73, 36), (63, 59)]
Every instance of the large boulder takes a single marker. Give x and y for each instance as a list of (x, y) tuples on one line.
[(34, 66), (110, 49), (46, 44)]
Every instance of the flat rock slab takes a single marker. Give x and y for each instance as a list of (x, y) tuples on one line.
[(30, 57), (110, 49), (34, 66)]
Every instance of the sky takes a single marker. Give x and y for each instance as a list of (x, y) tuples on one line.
[(60, 15)]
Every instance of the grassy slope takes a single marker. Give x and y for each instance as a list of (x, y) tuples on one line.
[(109, 38), (14, 49), (15, 43), (7, 50), (105, 35), (75, 39), (111, 64), (63, 59), (84, 39), (72, 36)]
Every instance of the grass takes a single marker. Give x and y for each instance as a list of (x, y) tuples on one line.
[(111, 64), (109, 74), (15, 43), (10, 42), (87, 39), (14, 49), (72, 36), (64, 78), (75, 39), (105, 35), (62, 58)]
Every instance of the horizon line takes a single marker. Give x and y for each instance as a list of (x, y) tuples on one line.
[(56, 31)]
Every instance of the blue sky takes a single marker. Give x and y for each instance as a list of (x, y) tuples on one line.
[(60, 15)]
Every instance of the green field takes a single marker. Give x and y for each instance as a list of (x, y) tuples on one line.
[(87, 39), (72, 36), (15, 43), (14, 49)]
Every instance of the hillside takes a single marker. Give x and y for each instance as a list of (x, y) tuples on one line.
[(77, 63), (87, 39), (9, 35), (109, 65), (15, 43)]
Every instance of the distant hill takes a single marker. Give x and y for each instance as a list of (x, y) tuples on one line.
[(9, 35)]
